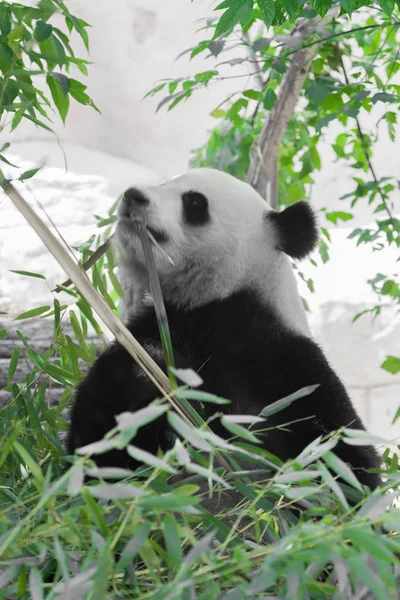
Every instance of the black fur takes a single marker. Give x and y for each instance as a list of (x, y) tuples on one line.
[(195, 209), (243, 352), (297, 229)]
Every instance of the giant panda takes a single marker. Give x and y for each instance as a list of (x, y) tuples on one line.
[(235, 316)]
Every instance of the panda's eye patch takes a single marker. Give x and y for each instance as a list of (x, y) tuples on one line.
[(195, 208)]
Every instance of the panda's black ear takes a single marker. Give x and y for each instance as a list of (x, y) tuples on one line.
[(296, 229)]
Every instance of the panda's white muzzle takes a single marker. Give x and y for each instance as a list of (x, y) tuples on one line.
[(134, 206)]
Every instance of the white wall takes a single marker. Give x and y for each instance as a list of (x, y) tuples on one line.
[(134, 44)]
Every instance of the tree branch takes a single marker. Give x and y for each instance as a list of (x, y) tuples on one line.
[(253, 55), (263, 170)]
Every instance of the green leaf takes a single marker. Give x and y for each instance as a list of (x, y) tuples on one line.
[(53, 51), (324, 122), (149, 459), (38, 122), (80, 26), (367, 541), (134, 545), (172, 87), (77, 91), (387, 6), (47, 9), (98, 447), (42, 31), (36, 585), (227, 22), (17, 118), (240, 431), (116, 491), (188, 433), (201, 396), (13, 364), (246, 12), (295, 476), (34, 312), (292, 9), (116, 284), (321, 7), (205, 76), (108, 473), (269, 99), (360, 437), (5, 19), (27, 175), (295, 493), (332, 484), (172, 540), (60, 99), (58, 374), (317, 92), (169, 502), (396, 416), (218, 113), (384, 97), (6, 57), (76, 480), (284, 402), (391, 364), (28, 274), (187, 376), (252, 94), (4, 182), (340, 467), (349, 6), (334, 217), (5, 160), (203, 546), (63, 81), (95, 512), (390, 288), (267, 10), (31, 464), (129, 420)]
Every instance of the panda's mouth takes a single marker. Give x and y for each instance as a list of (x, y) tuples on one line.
[(158, 234)]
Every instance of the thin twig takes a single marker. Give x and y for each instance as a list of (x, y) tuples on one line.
[(254, 57), (365, 150), (97, 254), (350, 31)]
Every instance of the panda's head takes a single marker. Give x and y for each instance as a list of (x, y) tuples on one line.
[(220, 235)]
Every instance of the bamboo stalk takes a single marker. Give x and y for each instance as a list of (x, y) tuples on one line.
[(85, 287)]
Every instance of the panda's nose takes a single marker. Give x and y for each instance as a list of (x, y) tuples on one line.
[(133, 197)]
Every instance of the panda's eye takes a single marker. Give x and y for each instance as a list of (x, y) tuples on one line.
[(195, 208)]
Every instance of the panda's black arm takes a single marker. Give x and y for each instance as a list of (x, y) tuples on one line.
[(327, 409), (116, 384)]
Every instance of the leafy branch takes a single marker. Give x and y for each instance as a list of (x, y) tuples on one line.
[(263, 170), (366, 151), (30, 47)]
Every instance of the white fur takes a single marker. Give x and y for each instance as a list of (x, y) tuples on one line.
[(236, 249)]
